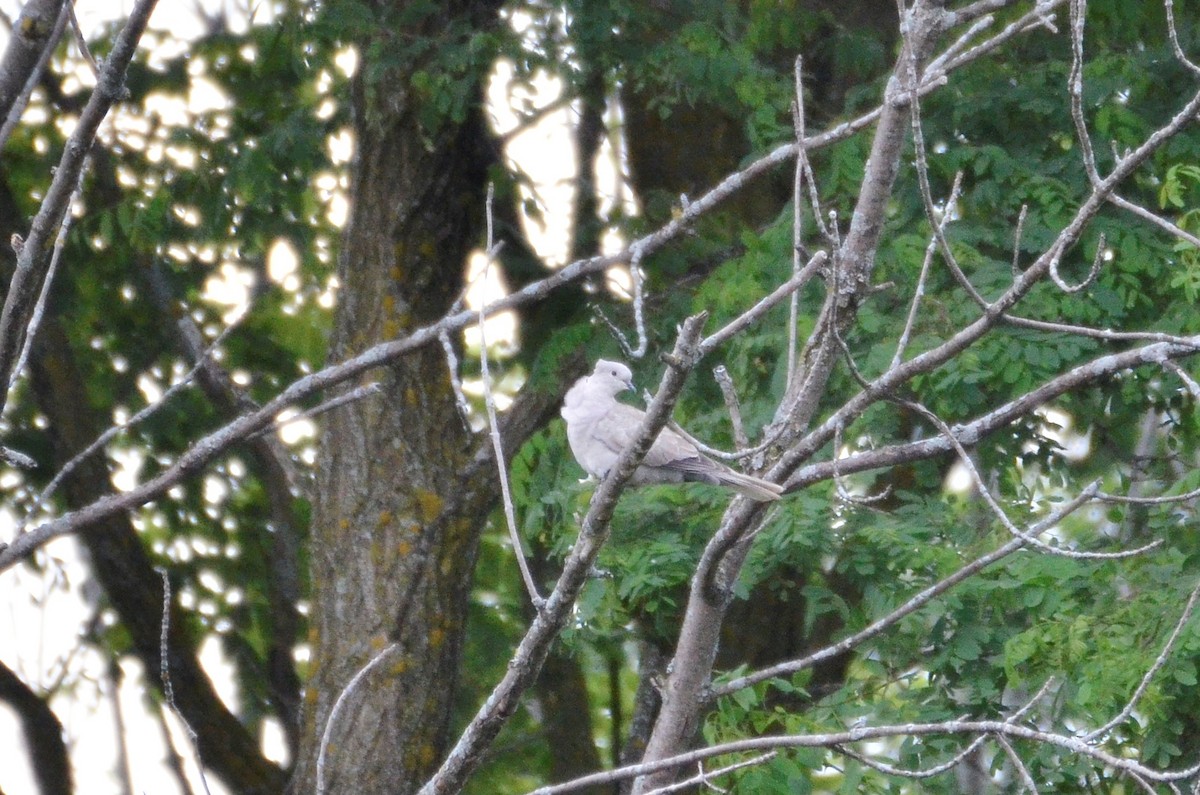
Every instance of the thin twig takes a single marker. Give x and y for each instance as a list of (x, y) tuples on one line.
[(1097, 261), (910, 606), (331, 720), (113, 430), (838, 739), (60, 242), (797, 218), (356, 394), (164, 672), (1016, 257), (752, 314), (1026, 777), (31, 265), (999, 512), (1174, 37), (703, 777), (81, 41), (489, 401), (1075, 91), (927, 772), (1159, 662)]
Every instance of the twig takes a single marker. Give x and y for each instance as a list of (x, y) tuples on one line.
[(164, 672), (838, 739), (60, 242), (33, 260), (1097, 261), (938, 237), (704, 777), (1016, 257), (114, 430), (797, 220), (1174, 37), (910, 606), (334, 713), (1075, 91), (729, 392), (752, 314), (81, 41), (639, 321), (1159, 662), (928, 772), (999, 512), (1026, 777), (358, 393), (1155, 218), (460, 397), (1189, 383), (494, 430)]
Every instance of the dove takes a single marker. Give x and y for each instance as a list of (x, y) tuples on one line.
[(599, 428)]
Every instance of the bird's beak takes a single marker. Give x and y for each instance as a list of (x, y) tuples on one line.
[(629, 387)]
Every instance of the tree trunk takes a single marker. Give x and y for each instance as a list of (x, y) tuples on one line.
[(398, 502)]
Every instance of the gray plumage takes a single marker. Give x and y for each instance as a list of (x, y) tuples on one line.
[(599, 428)]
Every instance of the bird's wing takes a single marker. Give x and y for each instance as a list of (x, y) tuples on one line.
[(619, 426)]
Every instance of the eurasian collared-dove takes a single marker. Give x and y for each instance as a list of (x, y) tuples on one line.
[(599, 428)]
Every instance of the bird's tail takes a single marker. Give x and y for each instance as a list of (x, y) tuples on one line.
[(756, 489)]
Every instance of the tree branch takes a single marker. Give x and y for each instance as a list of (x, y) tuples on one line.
[(531, 653)]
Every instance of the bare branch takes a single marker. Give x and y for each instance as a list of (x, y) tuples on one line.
[(39, 309), (33, 261), (729, 392), (114, 430), (752, 314), (1174, 37), (832, 740), (928, 772), (970, 433), (1027, 781), (999, 512), (531, 652)]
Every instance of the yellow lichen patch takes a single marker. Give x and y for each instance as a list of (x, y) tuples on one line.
[(385, 519), (399, 667), (437, 636), (411, 397), (429, 505), (395, 273), (378, 642), (426, 755), (343, 524), (404, 549)]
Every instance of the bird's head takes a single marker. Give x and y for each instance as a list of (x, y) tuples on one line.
[(612, 377)]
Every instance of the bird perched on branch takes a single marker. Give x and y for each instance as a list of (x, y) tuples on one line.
[(599, 428)]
